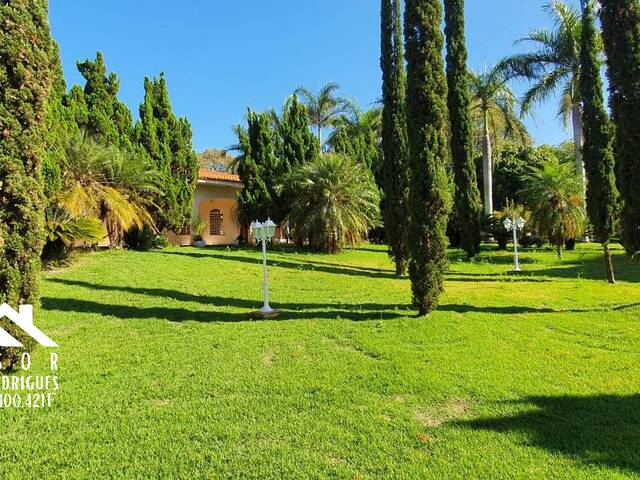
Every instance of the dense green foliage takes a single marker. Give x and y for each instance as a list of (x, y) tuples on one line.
[(60, 124), (358, 137), (334, 202), (393, 173), (553, 193), (527, 377), (167, 140), (258, 169), (108, 119), (598, 141), (297, 144), (427, 123), (26, 79), (511, 164), (467, 205), (621, 35)]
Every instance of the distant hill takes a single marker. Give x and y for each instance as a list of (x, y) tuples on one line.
[(217, 160)]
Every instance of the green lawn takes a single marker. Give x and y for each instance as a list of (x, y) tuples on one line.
[(162, 375)]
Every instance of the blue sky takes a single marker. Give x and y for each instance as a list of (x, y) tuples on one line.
[(220, 57)]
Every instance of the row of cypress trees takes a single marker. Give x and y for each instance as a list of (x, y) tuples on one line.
[(415, 121), (415, 148), (597, 151), (621, 37), (610, 148)]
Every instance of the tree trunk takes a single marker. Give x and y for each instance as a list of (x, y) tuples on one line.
[(608, 263), (559, 247), (320, 137), (487, 167), (400, 266), (578, 141)]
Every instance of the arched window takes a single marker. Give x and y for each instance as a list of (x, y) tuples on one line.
[(215, 222)]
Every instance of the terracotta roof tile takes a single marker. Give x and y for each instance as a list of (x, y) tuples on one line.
[(206, 174)]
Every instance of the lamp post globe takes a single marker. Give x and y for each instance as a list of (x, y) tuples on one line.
[(269, 229), (257, 229)]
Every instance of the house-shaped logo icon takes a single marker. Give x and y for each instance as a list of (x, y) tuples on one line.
[(23, 319)]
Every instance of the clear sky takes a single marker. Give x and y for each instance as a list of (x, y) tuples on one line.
[(220, 56)]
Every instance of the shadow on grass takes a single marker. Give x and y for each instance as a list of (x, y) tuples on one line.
[(600, 429), (306, 265), (593, 268), (175, 314), (513, 309), (476, 278), (291, 311)]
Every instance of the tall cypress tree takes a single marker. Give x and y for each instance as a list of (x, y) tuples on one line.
[(598, 140), (108, 119), (467, 201), (394, 176), (167, 140), (26, 81), (426, 121), (621, 35), (298, 145), (258, 161)]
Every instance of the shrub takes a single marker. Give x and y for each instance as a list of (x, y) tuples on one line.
[(334, 202)]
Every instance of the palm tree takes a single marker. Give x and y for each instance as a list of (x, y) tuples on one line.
[(553, 67), (493, 106), (324, 107), (335, 202), (553, 192), (106, 183)]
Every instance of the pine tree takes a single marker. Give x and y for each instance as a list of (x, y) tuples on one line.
[(621, 35), (108, 119), (26, 81), (426, 122), (298, 144), (467, 201), (258, 162), (394, 177), (358, 137), (167, 140), (598, 140)]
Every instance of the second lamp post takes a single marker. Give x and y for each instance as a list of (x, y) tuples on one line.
[(514, 225), (262, 232)]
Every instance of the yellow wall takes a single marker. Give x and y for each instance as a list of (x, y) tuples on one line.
[(224, 198), (206, 198)]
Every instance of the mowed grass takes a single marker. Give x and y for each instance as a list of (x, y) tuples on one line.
[(162, 375)]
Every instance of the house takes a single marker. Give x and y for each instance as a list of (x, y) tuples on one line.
[(214, 202)]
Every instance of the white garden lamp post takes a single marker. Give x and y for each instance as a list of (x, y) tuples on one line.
[(263, 232), (514, 225)]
